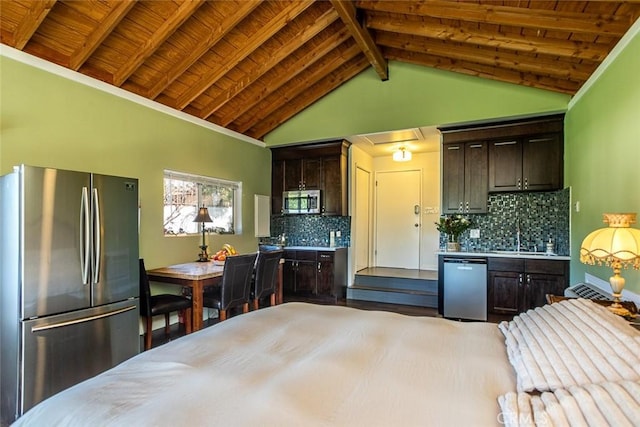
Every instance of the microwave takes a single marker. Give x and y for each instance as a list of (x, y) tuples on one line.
[(301, 202)]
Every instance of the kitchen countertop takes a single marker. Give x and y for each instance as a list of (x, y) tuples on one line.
[(313, 248), (509, 254)]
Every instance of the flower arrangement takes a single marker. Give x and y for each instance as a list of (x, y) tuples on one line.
[(453, 226)]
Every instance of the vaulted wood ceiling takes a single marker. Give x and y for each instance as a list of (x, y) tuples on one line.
[(251, 65)]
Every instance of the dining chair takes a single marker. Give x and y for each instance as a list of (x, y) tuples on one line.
[(155, 305), (266, 277), (235, 287)]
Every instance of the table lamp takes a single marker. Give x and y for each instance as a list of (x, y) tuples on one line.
[(203, 216), (616, 246)]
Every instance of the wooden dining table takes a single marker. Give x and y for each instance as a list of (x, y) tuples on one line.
[(197, 275)]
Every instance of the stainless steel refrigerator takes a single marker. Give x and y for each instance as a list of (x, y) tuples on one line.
[(69, 292)]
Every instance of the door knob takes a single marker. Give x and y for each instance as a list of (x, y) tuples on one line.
[(416, 225)]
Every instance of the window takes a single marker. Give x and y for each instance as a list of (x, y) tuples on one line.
[(185, 193)]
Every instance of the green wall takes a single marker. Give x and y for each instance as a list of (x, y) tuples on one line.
[(48, 120), (602, 160), (413, 96)]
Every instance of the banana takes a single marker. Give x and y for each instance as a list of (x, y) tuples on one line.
[(230, 249)]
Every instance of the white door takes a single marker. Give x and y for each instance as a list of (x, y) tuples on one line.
[(398, 219), (362, 218)]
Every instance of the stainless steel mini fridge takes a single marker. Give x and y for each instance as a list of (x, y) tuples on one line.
[(68, 280)]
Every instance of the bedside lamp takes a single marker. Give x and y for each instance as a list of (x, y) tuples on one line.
[(203, 216), (616, 246)]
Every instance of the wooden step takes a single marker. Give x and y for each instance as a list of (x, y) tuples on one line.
[(393, 296)]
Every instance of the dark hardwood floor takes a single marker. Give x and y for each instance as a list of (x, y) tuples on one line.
[(177, 330)]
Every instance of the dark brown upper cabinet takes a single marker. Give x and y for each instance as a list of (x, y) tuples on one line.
[(464, 177), (320, 166), (529, 163), (510, 155)]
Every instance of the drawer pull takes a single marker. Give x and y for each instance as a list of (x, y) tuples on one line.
[(505, 143)]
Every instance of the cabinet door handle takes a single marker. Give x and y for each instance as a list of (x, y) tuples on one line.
[(455, 147), (319, 266), (526, 183), (475, 146), (460, 208), (497, 144), (466, 207), (540, 139), (519, 184)]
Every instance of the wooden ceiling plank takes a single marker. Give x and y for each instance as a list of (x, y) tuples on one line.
[(361, 35), (296, 41), (255, 40), (478, 70), (37, 11), (92, 42), (161, 34), (537, 65), (572, 49), (527, 17), (310, 76), (305, 61), (309, 96), (244, 9)]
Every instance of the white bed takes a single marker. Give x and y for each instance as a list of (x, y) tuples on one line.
[(309, 365), (301, 365)]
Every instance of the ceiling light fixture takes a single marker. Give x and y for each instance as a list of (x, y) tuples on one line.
[(401, 155)]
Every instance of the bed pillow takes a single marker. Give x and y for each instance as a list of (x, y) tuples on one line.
[(604, 404), (569, 343)]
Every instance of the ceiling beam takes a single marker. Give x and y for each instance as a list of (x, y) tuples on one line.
[(215, 35), (484, 71), (295, 87), (286, 71), (347, 12), (160, 35), (295, 42), (538, 64), (251, 44), (527, 17), (97, 36), (464, 34), (37, 11), (311, 94)]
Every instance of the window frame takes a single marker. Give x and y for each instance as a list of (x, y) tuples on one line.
[(200, 181)]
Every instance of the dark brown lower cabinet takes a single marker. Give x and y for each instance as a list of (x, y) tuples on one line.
[(315, 275), (516, 285)]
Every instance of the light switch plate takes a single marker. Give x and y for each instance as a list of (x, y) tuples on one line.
[(474, 233)]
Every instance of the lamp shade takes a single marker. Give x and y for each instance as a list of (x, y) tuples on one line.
[(203, 215), (401, 155), (616, 243)]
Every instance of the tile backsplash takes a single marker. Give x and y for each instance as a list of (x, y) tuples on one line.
[(311, 230), (540, 216)]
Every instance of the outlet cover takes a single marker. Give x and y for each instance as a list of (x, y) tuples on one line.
[(474, 233)]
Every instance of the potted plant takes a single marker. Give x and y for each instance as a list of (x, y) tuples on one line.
[(453, 226)]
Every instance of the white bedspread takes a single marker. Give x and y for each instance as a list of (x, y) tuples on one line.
[(301, 365)]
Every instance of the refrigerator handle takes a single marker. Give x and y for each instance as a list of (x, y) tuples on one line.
[(96, 236), (81, 320), (85, 243)]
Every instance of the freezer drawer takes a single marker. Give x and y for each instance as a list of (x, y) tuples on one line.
[(63, 350)]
